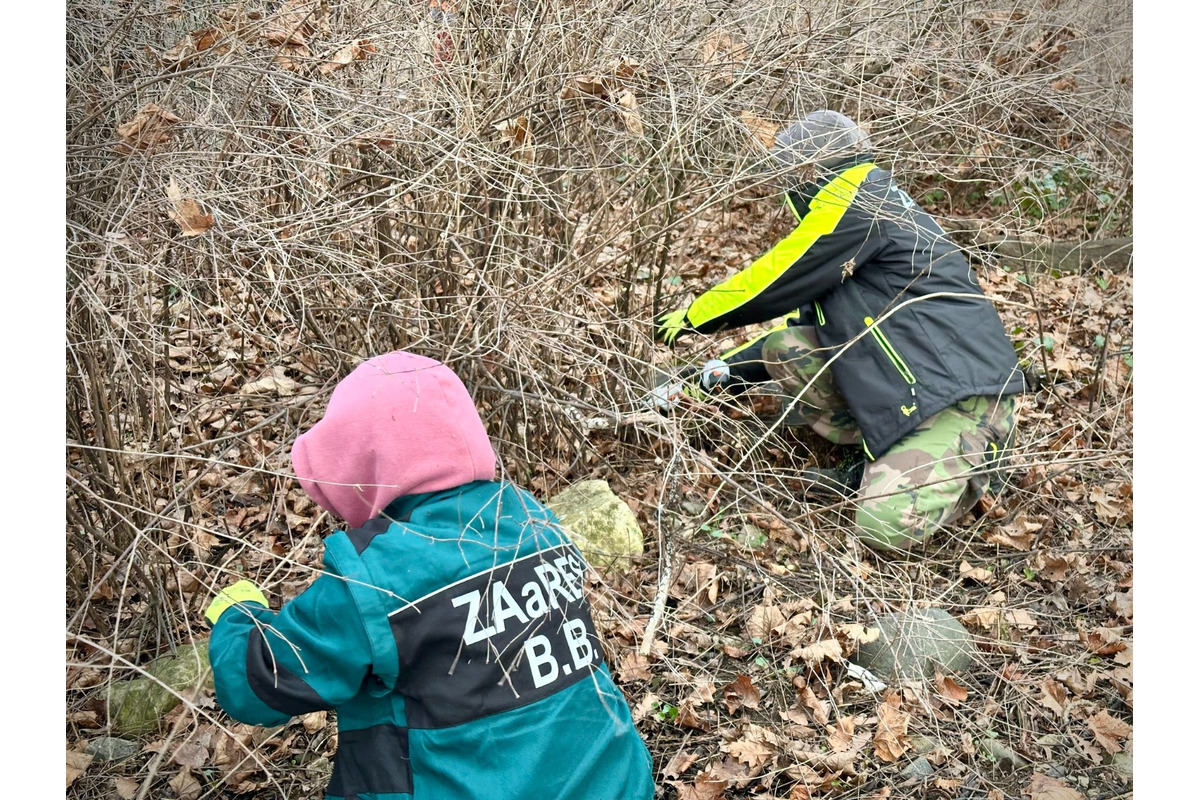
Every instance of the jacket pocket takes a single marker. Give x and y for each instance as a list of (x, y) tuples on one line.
[(892, 354)]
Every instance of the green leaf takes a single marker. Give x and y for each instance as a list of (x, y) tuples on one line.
[(761, 662), (1103, 284), (1128, 359), (1047, 343), (1098, 341), (1029, 574), (667, 712)]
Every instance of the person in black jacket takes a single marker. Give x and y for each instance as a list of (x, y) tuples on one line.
[(886, 340)]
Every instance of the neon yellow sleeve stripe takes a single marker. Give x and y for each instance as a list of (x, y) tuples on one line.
[(730, 353), (824, 213)]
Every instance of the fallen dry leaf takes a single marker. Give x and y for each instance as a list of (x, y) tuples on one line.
[(764, 620), (355, 51), (127, 788), (858, 633), (186, 212), (841, 734), (704, 692), (976, 573), (689, 717), (815, 653), (891, 735), (709, 785), (185, 786), (291, 22), (764, 132), (628, 111), (150, 127), (1122, 605), (720, 52), (818, 707), (1018, 534), (276, 383), (77, 763), (679, 764), (186, 49), (1043, 787), (190, 754), (948, 689), (839, 763), (755, 755), (989, 617), (741, 693), (314, 721), (626, 68), (586, 87), (1103, 641), (1109, 730), (634, 666), (515, 130), (1054, 695)]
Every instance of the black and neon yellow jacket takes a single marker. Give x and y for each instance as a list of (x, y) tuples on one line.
[(452, 636), (908, 328)]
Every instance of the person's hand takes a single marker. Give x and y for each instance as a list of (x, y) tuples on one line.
[(714, 374), (692, 382), (666, 396), (243, 591), (670, 325)]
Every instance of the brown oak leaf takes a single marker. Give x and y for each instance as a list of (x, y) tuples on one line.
[(741, 693), (891, 736), (1043, 787)]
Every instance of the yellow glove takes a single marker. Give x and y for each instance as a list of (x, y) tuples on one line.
[(670, 325), (241, 592)]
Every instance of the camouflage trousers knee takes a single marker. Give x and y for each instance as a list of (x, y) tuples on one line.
[(925, 481)]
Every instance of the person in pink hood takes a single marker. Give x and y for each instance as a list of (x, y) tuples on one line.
[(449, 629)]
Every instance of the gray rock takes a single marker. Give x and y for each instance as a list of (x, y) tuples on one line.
[(136, 707), (600, 524), (1002, 754), (923, 745), (921, 768), (109, 748), (913, 643)]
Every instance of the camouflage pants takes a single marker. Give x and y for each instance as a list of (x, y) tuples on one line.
[(925, 481)]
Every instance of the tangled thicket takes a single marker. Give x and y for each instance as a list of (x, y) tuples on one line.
[(260, 196)]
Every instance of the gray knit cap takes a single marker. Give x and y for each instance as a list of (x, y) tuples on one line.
[(823, 138)]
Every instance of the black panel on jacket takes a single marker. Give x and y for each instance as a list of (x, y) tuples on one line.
[(275, 684), (361, 537), (499, 640), (372, 761)]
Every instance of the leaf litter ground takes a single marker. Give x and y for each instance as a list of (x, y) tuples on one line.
[(740, 685)]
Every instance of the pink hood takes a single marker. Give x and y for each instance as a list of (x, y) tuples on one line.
[(398, 424)]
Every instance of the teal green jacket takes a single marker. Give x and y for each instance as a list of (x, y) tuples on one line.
[(453, 638)]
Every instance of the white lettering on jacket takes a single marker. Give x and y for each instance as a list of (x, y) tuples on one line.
[(561, 579)]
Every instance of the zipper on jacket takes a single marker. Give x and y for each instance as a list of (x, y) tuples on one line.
[(820, 313), (890, 352)]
